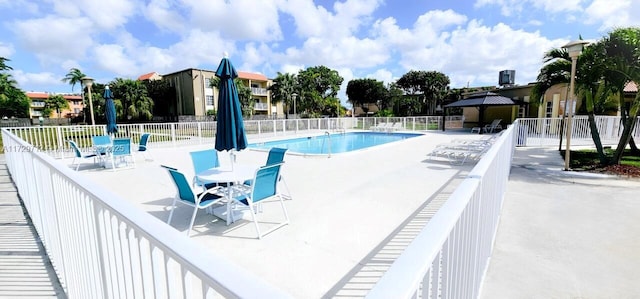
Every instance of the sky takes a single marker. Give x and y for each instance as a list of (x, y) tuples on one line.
[(470, 41)]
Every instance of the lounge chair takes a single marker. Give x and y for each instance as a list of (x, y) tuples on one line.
[(395, 127), (264, 187), (80, 155), (381, 126), (458, 152), (489, 128), (142, 147), (186, 196)]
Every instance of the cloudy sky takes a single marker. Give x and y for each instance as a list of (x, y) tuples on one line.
[(468, 40)]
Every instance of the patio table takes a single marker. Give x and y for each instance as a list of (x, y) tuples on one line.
[(237, 176)]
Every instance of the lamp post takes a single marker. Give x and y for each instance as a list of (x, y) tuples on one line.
[(574, 48), (294, 96), (87, 81)]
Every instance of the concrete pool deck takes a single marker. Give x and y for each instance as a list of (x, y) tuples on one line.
[(561, 234), (351, 214)]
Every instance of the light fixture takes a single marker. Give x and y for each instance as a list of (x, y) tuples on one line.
[(88, 82), (575, 49)]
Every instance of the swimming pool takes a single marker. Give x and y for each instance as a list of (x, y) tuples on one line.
[(339, 143)]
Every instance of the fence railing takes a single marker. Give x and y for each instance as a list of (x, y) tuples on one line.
[(449, 258), (101, 246), (53, 139)]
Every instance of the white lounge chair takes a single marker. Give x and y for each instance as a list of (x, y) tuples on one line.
[(381, 127)]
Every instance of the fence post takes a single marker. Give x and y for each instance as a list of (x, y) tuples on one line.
[(60, 147), (173, 134)]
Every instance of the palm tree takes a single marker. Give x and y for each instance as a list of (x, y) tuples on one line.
[(73, 77), (132, 94), (56, 103), (282, 90), (3, 64)]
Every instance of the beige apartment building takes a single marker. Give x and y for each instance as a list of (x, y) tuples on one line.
[(38, 103), (194, 96)]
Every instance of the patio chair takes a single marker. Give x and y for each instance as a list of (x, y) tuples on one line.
[(186, 196), (395, 127), (121, 152), (142, 147), (263, 188), (276, 156), (495, 125), (101, 144), (201, 161), (80, 155)]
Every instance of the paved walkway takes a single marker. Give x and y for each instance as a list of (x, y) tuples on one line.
[(25, 270), (565, 234), (561, 235)]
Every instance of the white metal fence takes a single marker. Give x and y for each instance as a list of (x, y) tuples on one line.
[(449, 258), (53, 139), (101, 246)]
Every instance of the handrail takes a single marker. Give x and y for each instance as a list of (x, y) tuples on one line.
[(328, 147), (102, 246)]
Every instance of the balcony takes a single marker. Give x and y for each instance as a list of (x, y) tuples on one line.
[(261, 107), (258, 91)]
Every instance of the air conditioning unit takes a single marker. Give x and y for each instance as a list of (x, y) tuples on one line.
[(507, 77)]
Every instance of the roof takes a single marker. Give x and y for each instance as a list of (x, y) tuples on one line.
[(147, 76), (483, 99), (631, 87), (252, 76), (45, 95)]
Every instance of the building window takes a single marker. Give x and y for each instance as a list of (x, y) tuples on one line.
[(209, 100), (207, 83), (549, 110)]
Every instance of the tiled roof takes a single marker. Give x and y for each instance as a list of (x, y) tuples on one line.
[(631, 87), (146, 76), (44, 95), (252, 76)]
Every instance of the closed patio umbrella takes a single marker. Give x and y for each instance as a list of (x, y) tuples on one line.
[(110, 111), (230, 134)]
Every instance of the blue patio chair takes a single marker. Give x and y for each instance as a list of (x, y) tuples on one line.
[(276, 156), (203, 160), (264, 187), (142, 146), (102, 146), (80, 155), (186, 196), (121, 152)]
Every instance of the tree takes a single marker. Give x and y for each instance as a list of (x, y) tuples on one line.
[(282, 90), (622, 64), (3, 64), (431, 85), (247, 102), (132, 94), (368, 91), (319, 87), (163, 96), (55, 103), (13, 101), (73, 77)]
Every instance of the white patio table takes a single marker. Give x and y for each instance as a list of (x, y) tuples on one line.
[(237, 176)]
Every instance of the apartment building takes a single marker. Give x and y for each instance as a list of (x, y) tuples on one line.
[(38, 100), (194, 96)]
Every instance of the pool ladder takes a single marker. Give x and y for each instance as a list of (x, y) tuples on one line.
[(329, 145)]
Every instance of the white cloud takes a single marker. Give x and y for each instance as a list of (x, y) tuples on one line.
[(165, 15), (54, 39), (6, 50), (619, 13), (240, 20), (511, 7), (38, 80), (383, 75)]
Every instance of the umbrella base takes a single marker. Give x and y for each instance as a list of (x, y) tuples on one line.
[(221, 212)]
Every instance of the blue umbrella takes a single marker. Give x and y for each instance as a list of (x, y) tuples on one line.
[(110, 111), (230, 133)]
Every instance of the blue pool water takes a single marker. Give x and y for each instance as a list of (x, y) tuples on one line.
[(340, 143)]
